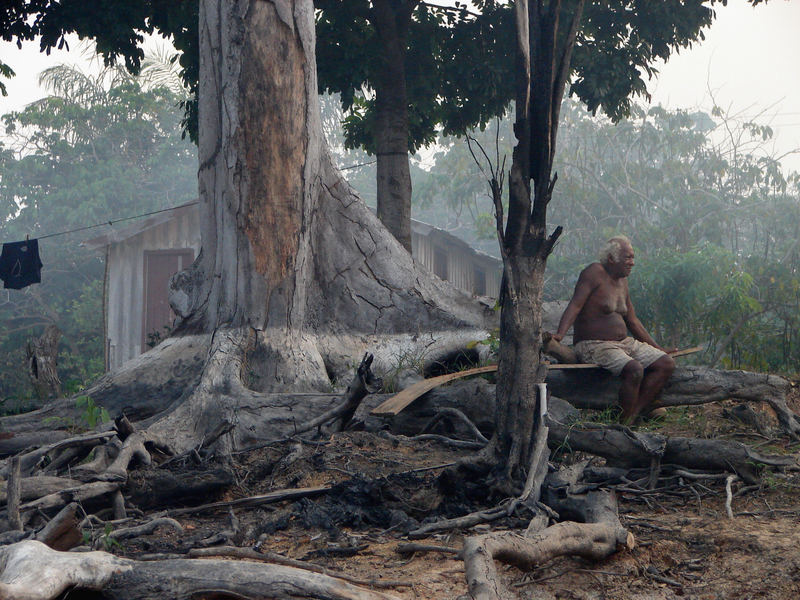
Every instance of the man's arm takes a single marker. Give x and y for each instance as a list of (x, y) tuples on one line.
[(583, 289), (636, 328)]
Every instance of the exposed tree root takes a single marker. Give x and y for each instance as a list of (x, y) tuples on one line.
[(593, 541), (597, 535), (143, 529), (32, 571), (271, 557), (364, 382)]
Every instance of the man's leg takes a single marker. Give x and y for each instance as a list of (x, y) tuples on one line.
[(654, 380), (632, 376)]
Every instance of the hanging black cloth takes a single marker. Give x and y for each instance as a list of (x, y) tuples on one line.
[(20, 265)]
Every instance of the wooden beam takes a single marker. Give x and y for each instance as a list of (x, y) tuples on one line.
[(399, 401)]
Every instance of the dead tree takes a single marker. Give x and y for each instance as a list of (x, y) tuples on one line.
[(42, 355)]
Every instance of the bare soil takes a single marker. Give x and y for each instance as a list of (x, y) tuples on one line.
[(686, 546)]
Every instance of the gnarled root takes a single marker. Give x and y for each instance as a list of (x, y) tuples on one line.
[(32, 571), (589, 540)]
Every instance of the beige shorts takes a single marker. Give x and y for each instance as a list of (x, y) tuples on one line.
[(615, 355)]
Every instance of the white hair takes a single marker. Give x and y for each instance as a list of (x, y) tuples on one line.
[(612, 249)]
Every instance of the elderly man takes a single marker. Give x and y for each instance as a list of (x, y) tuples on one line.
[(602, 313)]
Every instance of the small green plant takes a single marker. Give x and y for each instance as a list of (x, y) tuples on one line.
[(92, 414), (493, 341), (109, 543), (607, 416), (67, 423), (405, 360)]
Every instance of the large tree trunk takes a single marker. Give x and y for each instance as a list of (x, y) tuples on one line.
[(391, 129), (543, 58), (517, 416), (296, 278)]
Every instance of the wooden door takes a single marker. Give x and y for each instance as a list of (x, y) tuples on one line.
[(159, 266)]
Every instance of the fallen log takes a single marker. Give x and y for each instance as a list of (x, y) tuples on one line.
[(622, 446), (271, 557), (276, 496), (36, 487), (62, 532), (32, 571), (82, 494), (30, 460), (688, 386), (12, 442)]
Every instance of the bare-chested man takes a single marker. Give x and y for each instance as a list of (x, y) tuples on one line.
[(602, 313)]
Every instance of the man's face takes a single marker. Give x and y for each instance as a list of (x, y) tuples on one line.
[(624, 266)]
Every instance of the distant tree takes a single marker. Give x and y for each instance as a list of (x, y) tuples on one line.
[(402, 70), (117, 27), (101, 147)]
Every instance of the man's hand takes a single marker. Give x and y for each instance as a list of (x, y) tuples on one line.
[(557, 336)]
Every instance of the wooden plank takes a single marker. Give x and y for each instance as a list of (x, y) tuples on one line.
[(678, 353), (399, 401)]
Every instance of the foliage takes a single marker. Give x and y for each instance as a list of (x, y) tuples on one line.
[(117, 27), (458, 66), (713, 220), (93, 415), (99, 149)]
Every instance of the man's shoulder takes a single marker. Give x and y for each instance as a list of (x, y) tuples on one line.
[(593, 271)]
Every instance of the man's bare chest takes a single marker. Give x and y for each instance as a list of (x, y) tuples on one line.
[(610, 297)]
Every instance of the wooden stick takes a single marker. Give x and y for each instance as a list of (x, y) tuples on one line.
[(276, 496), (14, 518)]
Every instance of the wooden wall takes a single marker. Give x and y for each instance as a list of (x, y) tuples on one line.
[(125, 282)]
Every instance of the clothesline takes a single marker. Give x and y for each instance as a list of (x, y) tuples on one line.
[(111, 222), (155, 212)]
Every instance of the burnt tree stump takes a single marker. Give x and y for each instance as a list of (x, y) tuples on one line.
[(42, 355)]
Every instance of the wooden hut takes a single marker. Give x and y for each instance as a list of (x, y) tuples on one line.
[(140, 260)]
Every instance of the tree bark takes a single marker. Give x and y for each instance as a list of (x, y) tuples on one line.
[(543, 58), (391, 129), (42, 354)]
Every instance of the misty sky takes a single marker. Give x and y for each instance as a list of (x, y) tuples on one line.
[(750, 61)]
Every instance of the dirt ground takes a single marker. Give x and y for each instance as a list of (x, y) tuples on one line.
[(686, 546)]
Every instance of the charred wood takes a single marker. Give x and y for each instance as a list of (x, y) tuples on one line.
[(158, 488)]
